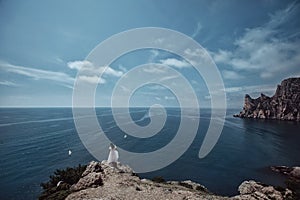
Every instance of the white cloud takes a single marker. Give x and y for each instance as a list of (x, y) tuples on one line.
[(153, 56), (252, 89), (231, 75), (283, 16), (8, 83), (63, 79), (122, 68), (81, 64), (233, 89), (269, 49), (235, 95), (197, 30), (239, 91), (195, 53), (89, 68), (175, 63), (197, 56), (222, 56), (111, 71), (92, 79), (38, 74), (90, 73)]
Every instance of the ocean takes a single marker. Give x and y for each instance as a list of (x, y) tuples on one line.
[(35, 141)]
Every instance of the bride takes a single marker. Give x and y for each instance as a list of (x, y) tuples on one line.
[(113, 155)]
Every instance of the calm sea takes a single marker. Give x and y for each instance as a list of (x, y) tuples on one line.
[(35, 141)]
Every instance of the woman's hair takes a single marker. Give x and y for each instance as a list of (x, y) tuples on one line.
[(112, 146)]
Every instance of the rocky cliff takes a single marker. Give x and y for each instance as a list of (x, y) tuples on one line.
[(283, 105), (101, 181)]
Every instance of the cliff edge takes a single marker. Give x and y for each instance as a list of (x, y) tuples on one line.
[(283, 105), (101, 181)]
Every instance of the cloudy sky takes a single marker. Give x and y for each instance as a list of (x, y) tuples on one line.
[(43, 44)]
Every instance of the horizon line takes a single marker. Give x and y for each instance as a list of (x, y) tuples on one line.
[(108, 107)]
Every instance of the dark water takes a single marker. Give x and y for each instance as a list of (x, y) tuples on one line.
[(35, 141)]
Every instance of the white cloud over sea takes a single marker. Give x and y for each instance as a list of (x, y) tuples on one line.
[(270, 49)]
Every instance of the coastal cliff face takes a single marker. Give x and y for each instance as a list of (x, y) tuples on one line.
[(101, 181), (283, 105)]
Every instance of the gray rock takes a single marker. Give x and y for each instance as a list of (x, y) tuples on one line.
[(102, 181), (255, 190), (291, 172), (92, 179), (189, 184), (249, 187), (120, 182), (93, 167), (295, 172)]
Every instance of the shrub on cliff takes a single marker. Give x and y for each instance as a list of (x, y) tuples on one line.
[(68, 177), (294, 185)]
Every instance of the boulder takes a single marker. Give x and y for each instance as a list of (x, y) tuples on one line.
[(255, 190), (295, 172), (93, 167), (92, 179)]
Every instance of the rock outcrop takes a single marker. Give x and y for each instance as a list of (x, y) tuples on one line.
[(291, 172), (91, 177), (283, 105), (255, 190), (123, 183), (101, 181)]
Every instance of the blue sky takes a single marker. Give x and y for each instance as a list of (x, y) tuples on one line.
[(255, 44)]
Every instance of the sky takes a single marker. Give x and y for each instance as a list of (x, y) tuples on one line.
[(43, 44)]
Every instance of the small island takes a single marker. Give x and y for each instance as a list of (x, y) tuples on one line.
[(283, 105)]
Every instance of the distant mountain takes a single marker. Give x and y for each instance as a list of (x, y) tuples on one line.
[(284, 105)]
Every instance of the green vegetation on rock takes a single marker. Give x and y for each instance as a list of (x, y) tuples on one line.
[(66, 177)]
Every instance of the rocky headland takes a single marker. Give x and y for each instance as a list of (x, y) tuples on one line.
[(283, 105), (101, 181)]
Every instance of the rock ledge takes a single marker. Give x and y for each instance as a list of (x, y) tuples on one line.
[(101, 181)]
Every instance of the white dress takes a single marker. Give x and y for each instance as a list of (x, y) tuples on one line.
[(113, 155)]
